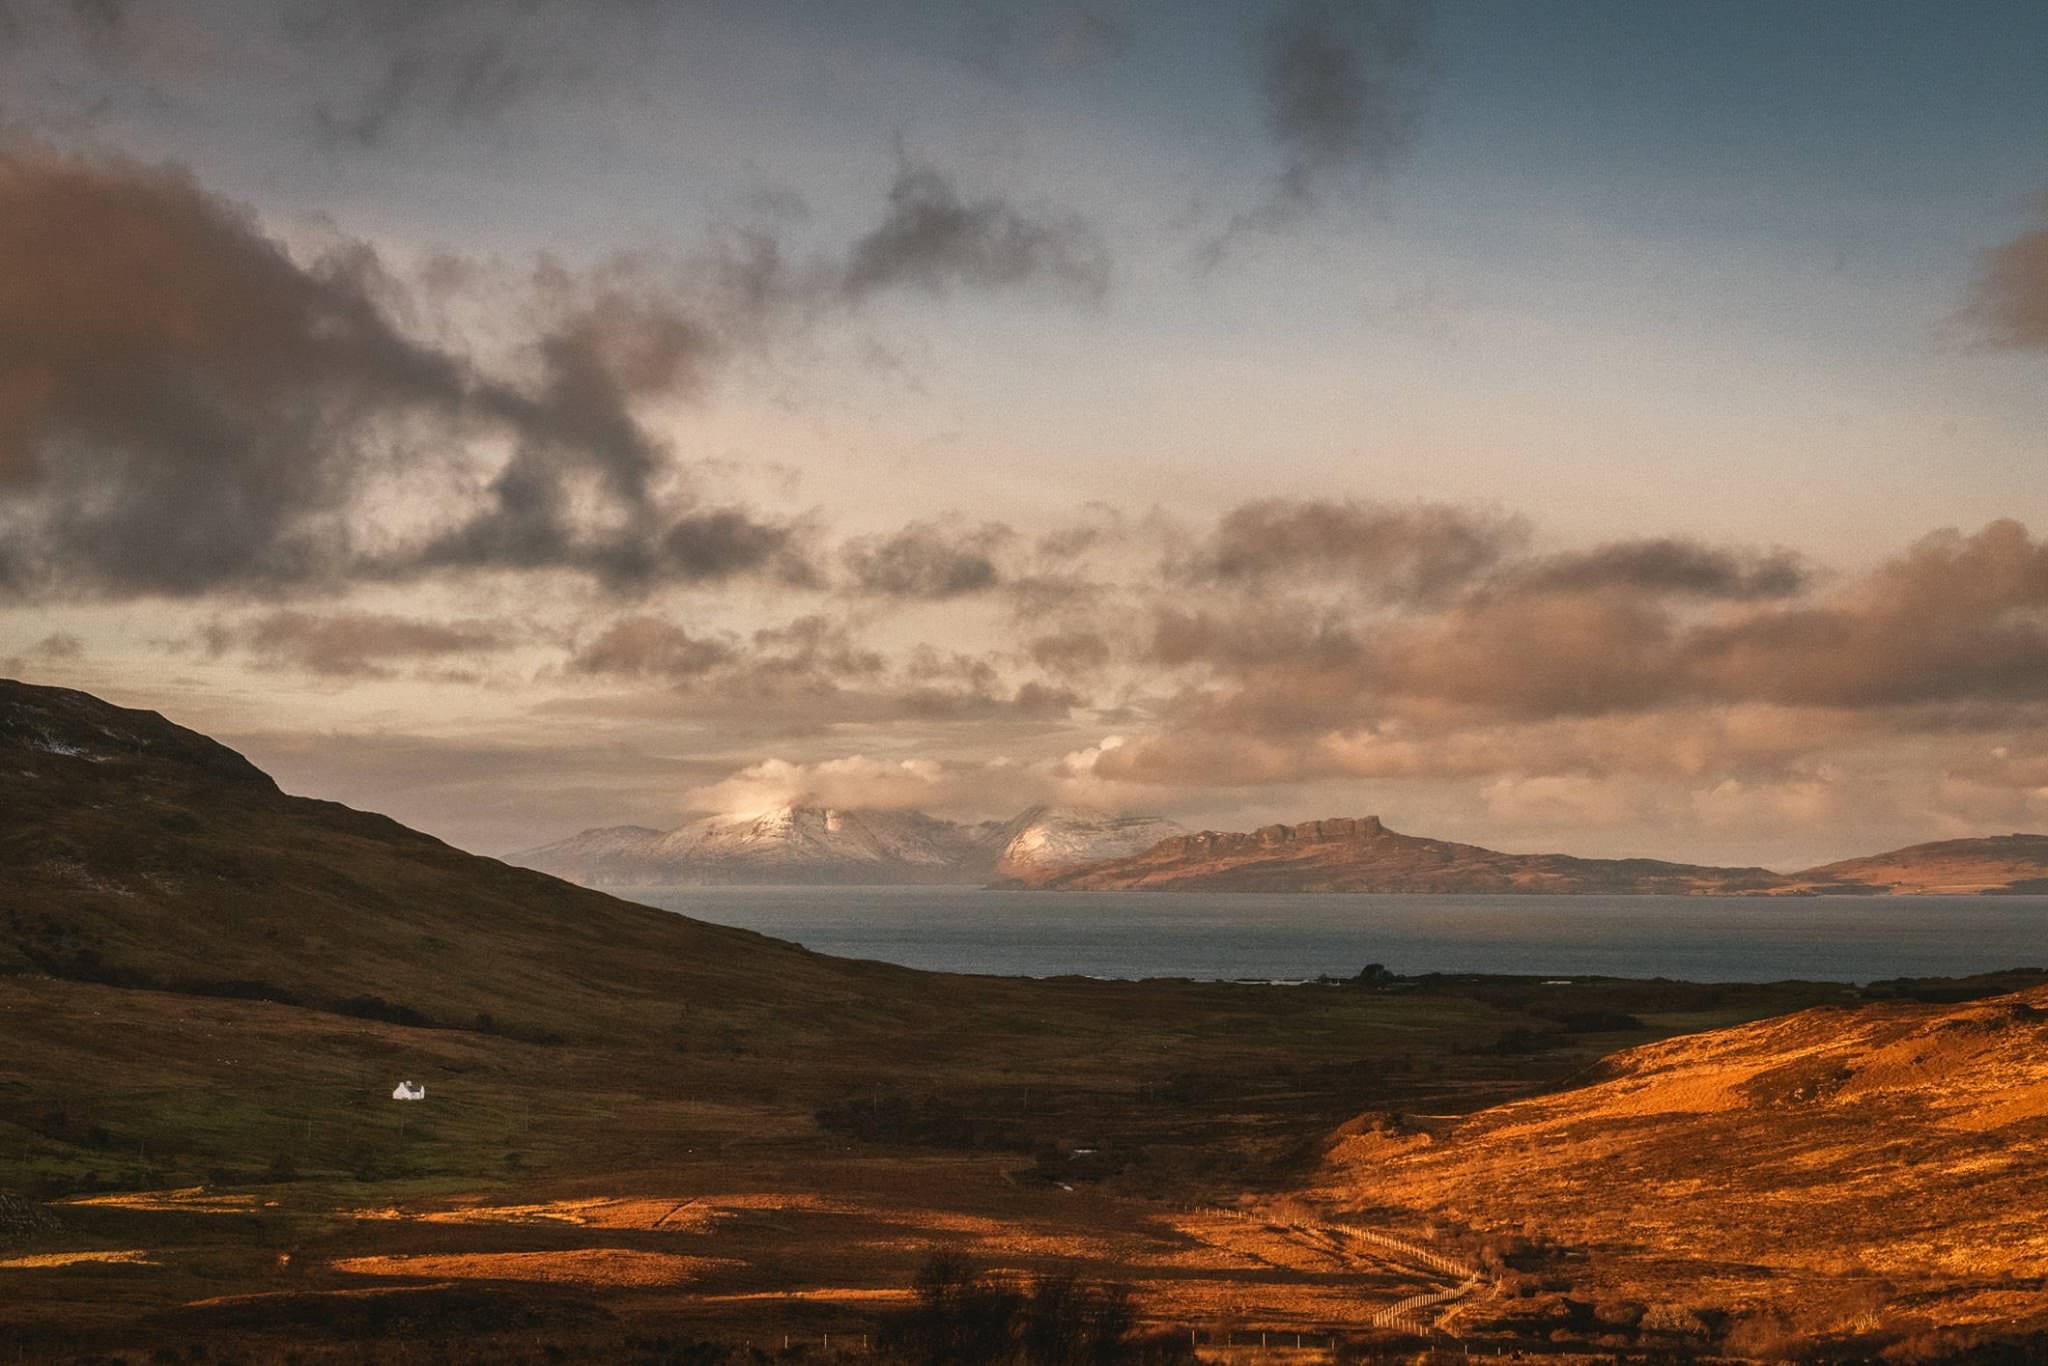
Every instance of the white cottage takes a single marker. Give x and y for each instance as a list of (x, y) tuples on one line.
[(409, 1090)]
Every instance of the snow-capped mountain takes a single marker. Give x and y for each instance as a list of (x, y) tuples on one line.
[(817, 844), (1046, 839)]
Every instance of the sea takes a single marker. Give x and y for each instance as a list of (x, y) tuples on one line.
[(1292, 937)]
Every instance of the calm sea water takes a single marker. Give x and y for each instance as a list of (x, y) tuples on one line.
[(1291, 937)]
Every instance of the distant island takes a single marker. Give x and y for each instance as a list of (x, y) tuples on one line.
[(830, 846), (1065, 849), (1363, 855)]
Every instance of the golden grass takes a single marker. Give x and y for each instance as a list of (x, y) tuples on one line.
[(1901, 1142), (188, 1199), (679, 1216), (44, 1261), (605, 1267)]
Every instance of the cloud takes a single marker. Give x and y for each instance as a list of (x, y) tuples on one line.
[(1070, 653), (647, 647), (1342, 86), (58, 646), (1343, 83), (1390, 552), (812, 655), (855, 782), (1956, 618), (1668, 564), (1676, 661), (929, 561), (354, 644), (186, 408), (814, 674), (391, 68), (2008, 304), (182, 405), (932, 240), (1557, 801), (815, 649)]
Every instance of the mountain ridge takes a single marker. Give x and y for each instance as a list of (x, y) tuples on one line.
[(1360, 854), (140, 854), (806, 843)]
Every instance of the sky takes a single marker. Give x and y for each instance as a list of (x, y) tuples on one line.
[(1590, 426)]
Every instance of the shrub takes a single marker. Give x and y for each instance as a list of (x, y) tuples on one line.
[(964, 1315)]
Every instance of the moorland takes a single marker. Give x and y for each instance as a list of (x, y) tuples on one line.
[(647, 1138)]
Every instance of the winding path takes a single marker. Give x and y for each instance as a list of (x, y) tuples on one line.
[(1405, 1313)]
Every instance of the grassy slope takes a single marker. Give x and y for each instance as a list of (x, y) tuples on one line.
[(1826, 1171), (2014, 863), (140, 853)]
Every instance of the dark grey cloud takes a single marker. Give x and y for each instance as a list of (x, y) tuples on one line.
[(1390, 552), (393, 68), (815, 648), (57, 646), (1252, 639), (186, 407), (813, 654), (934, 239), (182, 405), (2008, 305), (354, 644), (648, 647), (636, 327), (1342, 85), (929, 561), (1670, 564), (810, 675), (1957, 620), (1071, 653)]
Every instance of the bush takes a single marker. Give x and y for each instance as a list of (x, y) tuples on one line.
[(963, 1315)]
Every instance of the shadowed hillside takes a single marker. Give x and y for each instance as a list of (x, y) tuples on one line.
[(139, 853)]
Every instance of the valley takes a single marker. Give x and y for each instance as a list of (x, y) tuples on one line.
[(644, 1136)]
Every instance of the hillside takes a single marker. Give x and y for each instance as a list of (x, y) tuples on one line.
[(1823, 1170), (830, 846), (1362, 855), (2009, 864), (139, 853)]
